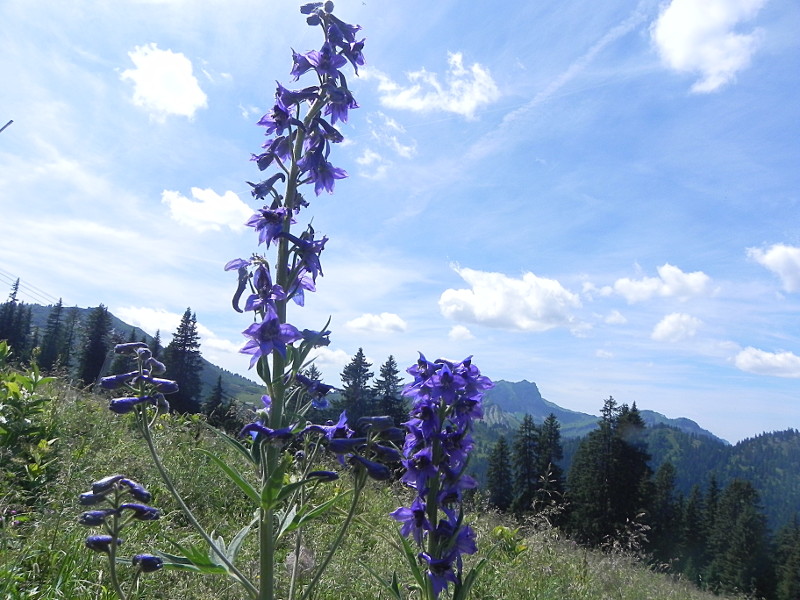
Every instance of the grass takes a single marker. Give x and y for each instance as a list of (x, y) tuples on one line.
[(42, 554)]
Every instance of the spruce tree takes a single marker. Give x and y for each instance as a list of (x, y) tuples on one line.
[(665, 517), (356, 394), (96, 345), (217, 408), (53, 342), (499, 477), (184, 365), (156, 347), (609, 480), (386, 392), (693, 536), (739, 543), (549, 453), (526, 475), (787, 561), (68, 344)]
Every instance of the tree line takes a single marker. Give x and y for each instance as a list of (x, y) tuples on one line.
[(716, 537)]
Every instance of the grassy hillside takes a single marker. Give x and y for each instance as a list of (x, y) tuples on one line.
[(41, 544)]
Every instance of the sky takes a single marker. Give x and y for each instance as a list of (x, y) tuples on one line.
[(602, 198)]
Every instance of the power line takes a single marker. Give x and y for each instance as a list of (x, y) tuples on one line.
[(10, 121), (31, 291)]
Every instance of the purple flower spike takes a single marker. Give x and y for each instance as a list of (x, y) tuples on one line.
[(268, 336)]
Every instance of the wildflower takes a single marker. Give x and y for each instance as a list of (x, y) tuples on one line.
[(102, 543), (122, 406), (375, 470), (325, 476), (141, 512), (268, 335), (96, 517), (147, 562), (114, 381), (129, 347), (104, 485), (136, 490), (414, 520), (268, 223)]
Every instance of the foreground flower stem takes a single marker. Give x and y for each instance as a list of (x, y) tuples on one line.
[(361, 480), (141, 421), (112, 560)]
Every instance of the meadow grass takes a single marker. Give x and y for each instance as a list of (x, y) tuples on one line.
[(42, 552)]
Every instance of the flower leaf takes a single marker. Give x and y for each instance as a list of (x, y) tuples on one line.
[(234, 476)]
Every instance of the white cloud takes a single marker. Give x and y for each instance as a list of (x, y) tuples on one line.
[(464, 91), (604, 354), (164, 83), (782, 260), (208, 210), (616, 318), (676, 327), (389, 132), (671, 282), (698, 36), (330, 362), (150, 320), (776, 364), (382, 323), (460, 333), (530, 304)]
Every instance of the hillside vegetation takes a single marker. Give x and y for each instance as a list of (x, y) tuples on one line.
[(70, 439)]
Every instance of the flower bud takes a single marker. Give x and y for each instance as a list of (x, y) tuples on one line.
[(324, 476), (95, 517), (129, 348), (102, 543), (136, 490), (104, 485), (147, 562), (141, 512), (374, 469)]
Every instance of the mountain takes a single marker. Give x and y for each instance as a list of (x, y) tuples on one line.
[(523, 397)]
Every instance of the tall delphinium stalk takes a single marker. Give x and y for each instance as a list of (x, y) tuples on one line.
[(446, 399), (280, 446)]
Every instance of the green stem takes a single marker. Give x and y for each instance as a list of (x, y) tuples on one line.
[(141, 418), (112, 558), (361, 479)]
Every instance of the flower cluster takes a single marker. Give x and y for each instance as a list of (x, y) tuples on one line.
[(446, 399), (300, 131), (145, 388), (113, 510)]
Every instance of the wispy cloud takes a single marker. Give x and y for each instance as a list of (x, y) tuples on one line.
[(208, 211), (164, 83), (671, 282), (700, 37), (459, 333), (676, 327), (782, 260), (463, 92), (760, 362), (530, 303)]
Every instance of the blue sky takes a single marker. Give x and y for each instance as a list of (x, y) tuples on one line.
[(602, 198)]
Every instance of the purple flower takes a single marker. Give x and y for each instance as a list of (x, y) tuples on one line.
[(136, 490), (340, 100), (440, 572), (261, 189), (353, 53), (300, 65), (102, 543), (287, 98), (324, 476), (268, 223), (114, 381), (326, 62), (90, 499), (268, 335), (346, 445), (141, 512), (375, 470), (92, 518), (147, 562), (105, 484), (128, 348), (414, 520)]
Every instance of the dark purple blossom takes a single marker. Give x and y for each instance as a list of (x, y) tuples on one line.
[(324, 476), (414, 520), (92, 518), (102, 543), (147, 562), (268, 223), (105, 484), (114, 381), (325, 61), (129, 347), (340, 100), (137, 490), (264, 188), (375, 470), (141, 512)]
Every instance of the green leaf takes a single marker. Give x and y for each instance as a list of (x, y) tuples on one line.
[(236, 542), (461, 592), (232, 442), (234, 476), (411, 559), (193, 559), (392, 588)]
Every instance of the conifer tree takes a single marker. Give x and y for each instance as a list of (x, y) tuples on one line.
[(787, 561), (739, 543), (526, 474), (499, 478), (184, 365), (665, 522), (693, 536), (53, 341), (549, 453), (96, 345), (356, 393), (218, 408), (68, 344), (609, 478), (156, 347), (386, 392)]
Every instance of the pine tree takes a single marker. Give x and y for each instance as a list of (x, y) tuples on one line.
[(787, 561), (15, 324), (499, 478), (184, 365), (609, 481), (53, 342), (665, 522), (156, 347), (693, 536), (217, 408), (96, 345), (526, 475), (739, 543), (68, 344), (386, 392), (356, 395), (549, 453)]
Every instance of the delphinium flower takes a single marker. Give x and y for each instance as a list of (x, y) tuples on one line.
[(446, 399), (142, 384), (113, 511)]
